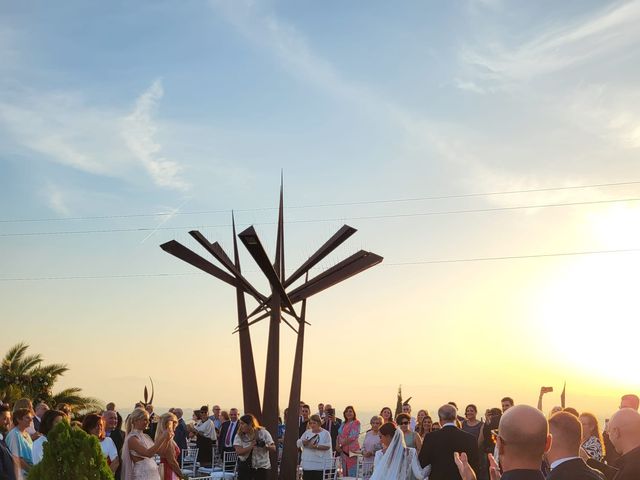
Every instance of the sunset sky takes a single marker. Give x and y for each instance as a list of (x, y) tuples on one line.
[(449, 133)]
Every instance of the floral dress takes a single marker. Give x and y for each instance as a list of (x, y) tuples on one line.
[(593, 447), (348, 437)]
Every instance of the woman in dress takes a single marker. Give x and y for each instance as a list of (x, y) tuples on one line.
[(19, 441), (371, 444), (395, 460), (387, 415), (348, 434), (316, 445), (138, 451), (592, 442), (169, 467), (49, 420), (93, 425), (471, 424), (411, 438), (253, 444)]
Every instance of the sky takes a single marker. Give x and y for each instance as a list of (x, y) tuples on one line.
[(487, 149)]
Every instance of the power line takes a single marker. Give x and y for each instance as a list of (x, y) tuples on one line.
[(319, 205), (320, 220), (396, 264)]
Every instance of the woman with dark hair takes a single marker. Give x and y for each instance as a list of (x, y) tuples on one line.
[(471, 424), (387, 415), (411, 438), (18, 439), (592, 442), (94, 425), (348, 434), (49, 420), (253, 444), (396, 461)]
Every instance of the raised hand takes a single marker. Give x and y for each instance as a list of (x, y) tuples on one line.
[(462, 462), (494, 468)]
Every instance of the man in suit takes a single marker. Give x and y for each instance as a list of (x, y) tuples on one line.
[(624, 433), (8, 466), (438, 447), (228, 432), (112, 431), (331, 424), (305, 413), (564, 454), (40, 410)]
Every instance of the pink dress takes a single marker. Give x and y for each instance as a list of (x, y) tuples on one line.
[(348, 438), (165, 469)]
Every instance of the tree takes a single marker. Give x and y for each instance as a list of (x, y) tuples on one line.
[(25, 376), (70, 453)]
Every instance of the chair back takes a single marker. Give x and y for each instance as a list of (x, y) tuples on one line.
[(188, 460)]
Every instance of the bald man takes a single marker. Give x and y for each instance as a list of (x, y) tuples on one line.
[(630, 401), (523, 438), (563, 456), (624, 433)]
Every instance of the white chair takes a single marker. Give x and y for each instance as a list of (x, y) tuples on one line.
[(364, 470), (227, 471), (331, 468), (189, 461)]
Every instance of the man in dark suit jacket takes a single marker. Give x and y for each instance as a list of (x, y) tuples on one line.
[(563, 456), (624, 432), (331, 424), (438, 447), (228, 432), (112, 431)]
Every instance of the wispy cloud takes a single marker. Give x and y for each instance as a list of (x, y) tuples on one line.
[(139, 131), (556, 48), (57, 201)]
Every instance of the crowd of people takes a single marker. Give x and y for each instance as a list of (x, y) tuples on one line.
[(512, 442)]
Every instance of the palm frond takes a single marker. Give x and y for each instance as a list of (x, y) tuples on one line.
[(52, 370), (72, 396)]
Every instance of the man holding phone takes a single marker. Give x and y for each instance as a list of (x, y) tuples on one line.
[(331, 424)]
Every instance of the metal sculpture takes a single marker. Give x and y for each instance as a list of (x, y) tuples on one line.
[(277, 307)]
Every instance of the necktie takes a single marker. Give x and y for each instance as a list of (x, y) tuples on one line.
[(227, 441)]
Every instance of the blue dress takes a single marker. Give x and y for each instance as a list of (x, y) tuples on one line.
[(20, 445)]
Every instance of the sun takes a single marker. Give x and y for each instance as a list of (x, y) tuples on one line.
[(590, 309)]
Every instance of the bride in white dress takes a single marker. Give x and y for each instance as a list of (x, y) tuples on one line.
[(396, 461)]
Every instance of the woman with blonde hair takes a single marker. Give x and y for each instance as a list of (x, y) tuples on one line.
[(253, 444), (138, 451), (169, 467), (592, 442)]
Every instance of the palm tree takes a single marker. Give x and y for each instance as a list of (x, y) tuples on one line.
[(25, 376)]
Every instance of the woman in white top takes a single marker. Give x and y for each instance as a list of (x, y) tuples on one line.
[(139, 450), (253, 445), (93, 425), (49, 420), (396, 460), (316, 449)]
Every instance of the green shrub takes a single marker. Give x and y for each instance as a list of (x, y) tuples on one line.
[(71, 454)]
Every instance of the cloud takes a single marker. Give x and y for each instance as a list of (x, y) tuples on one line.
[(468, 86), (139, 132), (608, 30), (56, 199)]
